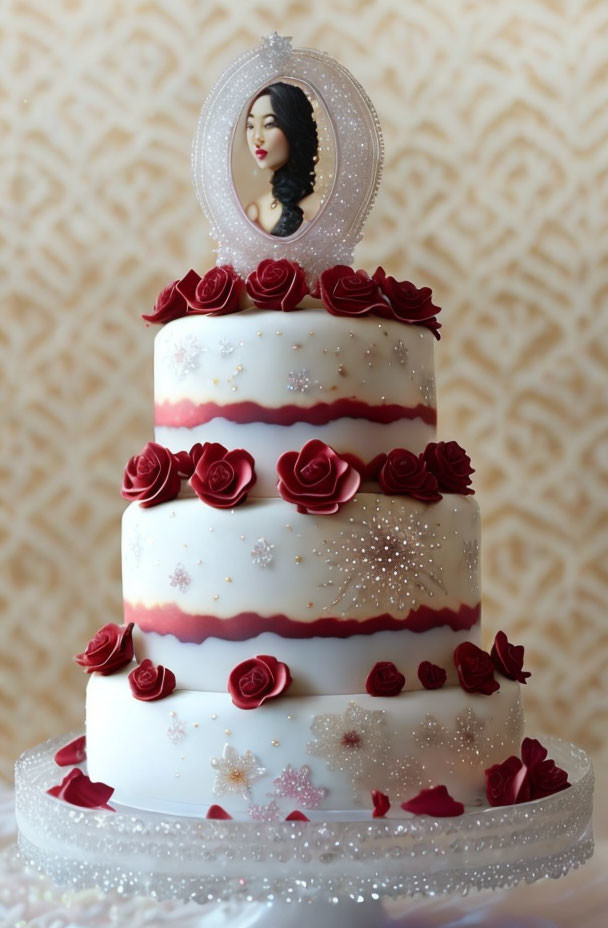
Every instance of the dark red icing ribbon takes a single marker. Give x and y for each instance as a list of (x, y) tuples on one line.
[(186, 414), (194, 629)]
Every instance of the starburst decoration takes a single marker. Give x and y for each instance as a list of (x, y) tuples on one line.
[(355, 742), (469, 742), (183, 355), (261, 553), (299, 381), (430, 733), (176, 731), (385, 560), (296, 784), (180, 578), (277, 47), (235, 772), (267, 813)]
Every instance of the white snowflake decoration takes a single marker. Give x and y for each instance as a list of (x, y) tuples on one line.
[(261, 813), (226, 347), (183, 355), (296, 784), (235, 772), (354, 742), (176, 731), (261, 553), (180, 578), (136, 547), (469, 742), (385, 560), (299, 381)]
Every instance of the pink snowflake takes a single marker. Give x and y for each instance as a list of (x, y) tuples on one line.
[(269, 813), (180, 578), (296, 784)]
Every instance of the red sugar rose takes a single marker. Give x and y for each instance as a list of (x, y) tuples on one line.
[(109, 650), (257, 679), (451, 465), (508, 659), (222, 478), (152, 476), (381, 804), (72, 753), (475, 669), (77, 789), (544, 776), (216, 294), (436, 802), (217, 812), (277, 284), (431, 676), (406, 473), (384, 680), (316, 479), (346, 292), (408, 303), (296, 816), (150, 683), (507, 783), (169, 305)]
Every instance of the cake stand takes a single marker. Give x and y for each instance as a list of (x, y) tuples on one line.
[(341, 869)]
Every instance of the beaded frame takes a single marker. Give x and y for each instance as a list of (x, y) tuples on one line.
[(330, 237)]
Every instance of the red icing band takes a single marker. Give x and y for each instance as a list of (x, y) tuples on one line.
[(170, 620), (187, 414)]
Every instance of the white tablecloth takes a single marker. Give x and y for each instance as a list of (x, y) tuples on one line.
[(578, 900)]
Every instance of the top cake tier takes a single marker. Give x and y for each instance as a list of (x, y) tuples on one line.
[(268, 382)]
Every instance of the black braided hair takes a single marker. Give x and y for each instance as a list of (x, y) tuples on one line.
[(296, 179)]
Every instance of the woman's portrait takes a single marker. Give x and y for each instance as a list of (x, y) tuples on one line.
[(282, 141)]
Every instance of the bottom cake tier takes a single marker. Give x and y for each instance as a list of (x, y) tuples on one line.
[(321, 755)]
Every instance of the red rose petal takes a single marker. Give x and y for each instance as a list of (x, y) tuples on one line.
[(77, 789), (217, 812), (297, 816), (435, 802), (381, 804), (72, 753)]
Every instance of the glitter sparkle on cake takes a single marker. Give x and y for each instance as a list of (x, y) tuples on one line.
[(299, 381), (296, 784), (261, 553)]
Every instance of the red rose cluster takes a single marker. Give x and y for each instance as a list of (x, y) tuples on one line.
[(282, 285), (532, 776), (219, 477), (443, 467), (475, 667)]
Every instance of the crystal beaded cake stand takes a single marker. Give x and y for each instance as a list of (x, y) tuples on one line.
[(147, 853)]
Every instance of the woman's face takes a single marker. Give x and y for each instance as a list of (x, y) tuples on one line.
[(267, 143)]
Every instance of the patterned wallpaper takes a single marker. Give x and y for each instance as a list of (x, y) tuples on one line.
[(495, 193)]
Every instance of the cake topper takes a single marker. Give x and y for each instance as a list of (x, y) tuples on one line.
[(286, 159)]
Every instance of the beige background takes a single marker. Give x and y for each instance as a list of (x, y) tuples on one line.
[(495, 193)]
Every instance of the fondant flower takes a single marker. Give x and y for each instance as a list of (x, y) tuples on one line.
[(544, 776), (451, 466), (223, 478), (435, 802), (152, 476), (109, 650), (408, 303), (381, 804), (72, 753), (150, 683), (431, 676), (169, 305), (406, 473), (508, 659), (384, 680), (218, 293), (507, 783), (316, 479), (277, 284), (77, 789), (254, 681), (475, 669), (346, 292)]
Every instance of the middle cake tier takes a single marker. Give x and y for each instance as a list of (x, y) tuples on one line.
[(384, 579)]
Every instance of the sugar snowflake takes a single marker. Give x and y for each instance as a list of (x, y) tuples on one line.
[(299, 381), (180, 578), (384, 560), (469, 741), (268, 813), (136, 548), (355, 742), (235, 771), (261, 553), (183, 355), (296, 784), (226, 348), (176, 731)]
